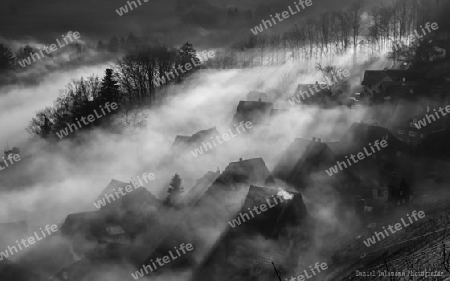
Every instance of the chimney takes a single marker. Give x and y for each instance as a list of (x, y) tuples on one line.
[(314, 139), (259, 99)]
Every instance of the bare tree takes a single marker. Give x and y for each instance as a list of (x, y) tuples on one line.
[(134, 119), (355, 20)]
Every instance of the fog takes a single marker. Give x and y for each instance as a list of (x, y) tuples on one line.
[(67, 178)]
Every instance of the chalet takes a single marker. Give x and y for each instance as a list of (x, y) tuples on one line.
[(186, 143), (254, 171), (397, 78), (257, 96), (412, 132), (393, 192), (372, 79), (301, 159), (94, 226), (254, 111), (409, 133), (220, 202), (394, 90), (388, 191), (201, 186), (116, 234), (139, 201), (285, 230), (359, 135)]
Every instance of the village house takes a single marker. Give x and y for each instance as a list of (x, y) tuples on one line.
[(256, 112), (257, 96), (94, 226), (383, 84), (387, 193), (186, 143)]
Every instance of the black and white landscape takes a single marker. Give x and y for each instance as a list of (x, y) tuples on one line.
[(195, 140)]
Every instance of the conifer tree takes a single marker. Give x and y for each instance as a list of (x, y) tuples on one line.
[(109, 90), (7, 59), (174, 191), (187, 53)]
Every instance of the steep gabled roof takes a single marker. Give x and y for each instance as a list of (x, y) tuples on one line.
[(255, 96), (200, 187), (131, 200), (289, 212), (253, 111), (301, 158), (372, 77), (284, 226), (408, 75), (253, 170), (359, 135), (113, 185), (248, 106), (194, 140), (88, 223)]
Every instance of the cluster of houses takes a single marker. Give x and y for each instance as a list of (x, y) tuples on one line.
[(368, 190), (405, 97), (397, 99)]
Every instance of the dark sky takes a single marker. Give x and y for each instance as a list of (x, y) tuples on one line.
[(204, 22)]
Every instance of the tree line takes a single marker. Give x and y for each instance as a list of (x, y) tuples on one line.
[(335, 33), (130, 84), (9, 59)]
